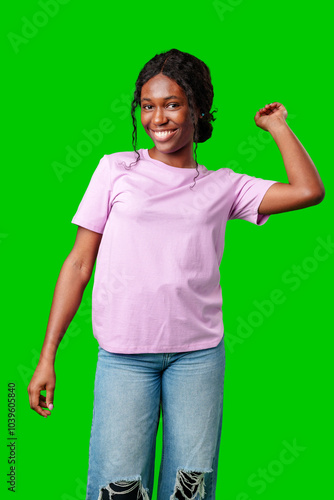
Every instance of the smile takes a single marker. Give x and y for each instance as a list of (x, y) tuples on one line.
[(164, 135)]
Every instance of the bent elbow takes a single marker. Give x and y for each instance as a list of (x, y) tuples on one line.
[(315, 197), (321, 196)]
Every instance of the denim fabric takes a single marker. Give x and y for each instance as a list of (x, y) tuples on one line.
[(129, 391)]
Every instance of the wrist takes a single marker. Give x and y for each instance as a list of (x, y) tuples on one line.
[(47, 357), (277, 125)]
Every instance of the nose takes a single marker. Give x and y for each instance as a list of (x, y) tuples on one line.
[(159, 116)]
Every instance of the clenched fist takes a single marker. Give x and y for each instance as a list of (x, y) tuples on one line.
[(270, 114)]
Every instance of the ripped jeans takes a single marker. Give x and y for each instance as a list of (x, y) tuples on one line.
[(129, 391)]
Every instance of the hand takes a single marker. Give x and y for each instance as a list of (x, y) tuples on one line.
[(271, 114), (44, 378)]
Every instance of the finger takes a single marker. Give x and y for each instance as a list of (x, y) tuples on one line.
[(42, 402), (35, 404), (49, 396), (45, 404), (43, 413)]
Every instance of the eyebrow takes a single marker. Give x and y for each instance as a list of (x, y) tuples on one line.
[(165, 98)]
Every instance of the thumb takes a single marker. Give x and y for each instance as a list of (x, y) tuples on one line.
[(49, 397)]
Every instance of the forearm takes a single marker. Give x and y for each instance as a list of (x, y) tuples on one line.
[(300, 169), (67, 297)]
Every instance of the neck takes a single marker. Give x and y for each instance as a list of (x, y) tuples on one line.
[(182, 158)]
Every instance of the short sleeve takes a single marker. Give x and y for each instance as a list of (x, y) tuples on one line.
[(248, 193), (95, 205)]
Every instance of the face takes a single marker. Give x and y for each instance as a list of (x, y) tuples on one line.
[(164, 107)]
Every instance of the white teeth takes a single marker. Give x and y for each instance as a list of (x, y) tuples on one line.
[(163, 134)]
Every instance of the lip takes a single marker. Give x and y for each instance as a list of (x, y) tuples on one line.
[(167, 137)]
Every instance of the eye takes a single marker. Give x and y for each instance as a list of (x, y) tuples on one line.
[(170, 104)]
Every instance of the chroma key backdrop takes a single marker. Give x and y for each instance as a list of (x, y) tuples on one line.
[(70, 72)]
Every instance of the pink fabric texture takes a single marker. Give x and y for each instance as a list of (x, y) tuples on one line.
[(157, 280)]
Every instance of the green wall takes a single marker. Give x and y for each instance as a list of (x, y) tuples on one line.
[(73, 69)]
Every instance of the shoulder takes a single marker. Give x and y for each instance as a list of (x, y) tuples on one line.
[(120, 162), (120, 157), (233, 182), (224, 175), (235, 177)]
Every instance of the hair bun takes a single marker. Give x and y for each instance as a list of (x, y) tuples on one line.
[(204, 127)]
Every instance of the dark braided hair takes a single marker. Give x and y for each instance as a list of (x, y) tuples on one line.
[(193, 76)]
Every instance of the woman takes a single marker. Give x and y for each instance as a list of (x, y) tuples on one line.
[(157, 303)]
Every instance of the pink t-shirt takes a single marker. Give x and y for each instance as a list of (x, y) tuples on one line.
[(157, 279)]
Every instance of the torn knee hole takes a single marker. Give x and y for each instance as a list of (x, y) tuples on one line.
[(188, 485), (123, 490)]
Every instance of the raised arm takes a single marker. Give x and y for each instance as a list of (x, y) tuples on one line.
[(73, 278), (305, 187)]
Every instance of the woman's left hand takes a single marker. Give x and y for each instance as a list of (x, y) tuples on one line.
[(270, 114)]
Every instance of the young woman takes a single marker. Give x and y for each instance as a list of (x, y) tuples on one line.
[(158, 241)]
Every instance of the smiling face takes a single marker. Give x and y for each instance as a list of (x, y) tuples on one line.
[(164, 107)]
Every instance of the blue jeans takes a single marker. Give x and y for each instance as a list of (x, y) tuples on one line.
[(129, 391)]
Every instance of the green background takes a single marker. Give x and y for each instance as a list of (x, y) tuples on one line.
[(79, 68)]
